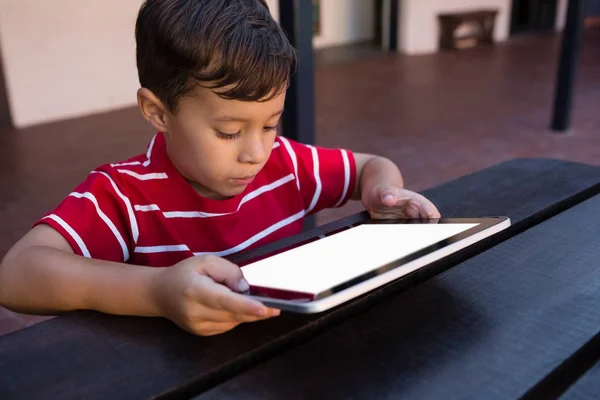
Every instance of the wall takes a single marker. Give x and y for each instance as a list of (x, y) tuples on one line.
[(345, 21), (5, 117), (419, 29), (593, 8), (342, 21), (561, 15), (65, 58)]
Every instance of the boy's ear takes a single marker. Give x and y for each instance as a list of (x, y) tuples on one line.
[(152, 109)]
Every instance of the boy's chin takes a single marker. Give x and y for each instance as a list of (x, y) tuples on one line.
[(230, 192), (237, 190)]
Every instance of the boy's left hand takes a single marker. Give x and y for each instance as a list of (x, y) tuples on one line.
[(391, 202)]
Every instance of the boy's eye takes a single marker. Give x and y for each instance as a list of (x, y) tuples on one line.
[(224, 135), (227, 136)]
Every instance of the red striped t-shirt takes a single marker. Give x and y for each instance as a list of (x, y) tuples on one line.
[(144, 212)]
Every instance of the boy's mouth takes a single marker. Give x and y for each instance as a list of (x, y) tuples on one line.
[(243, 181)]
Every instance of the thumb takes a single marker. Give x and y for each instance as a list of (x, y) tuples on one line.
[(224, 272), (389, 196)]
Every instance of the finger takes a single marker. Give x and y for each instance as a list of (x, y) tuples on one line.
[(274, 312), (427, 208), (387, 214), (432, 212), (224, 272), (219, 297), (271, 313), (413, 210), (217, 315), (389, 196), (414, 205), (213, 328)]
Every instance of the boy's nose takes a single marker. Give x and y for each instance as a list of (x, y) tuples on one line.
[(254, 152)]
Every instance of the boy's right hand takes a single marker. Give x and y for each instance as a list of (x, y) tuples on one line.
[(198, 294)]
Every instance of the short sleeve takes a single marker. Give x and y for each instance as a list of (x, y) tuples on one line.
[(325, 177), (96, 219)]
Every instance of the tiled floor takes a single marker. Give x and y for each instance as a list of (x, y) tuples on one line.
[(438, 117)]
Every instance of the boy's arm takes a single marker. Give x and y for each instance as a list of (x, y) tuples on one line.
[(41, 275), (381, 188), (373, 170)]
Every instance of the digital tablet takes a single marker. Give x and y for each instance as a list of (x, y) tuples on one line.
[(324, 273)]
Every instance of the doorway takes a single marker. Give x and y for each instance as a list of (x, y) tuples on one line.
[(533, 16), (5, 116)]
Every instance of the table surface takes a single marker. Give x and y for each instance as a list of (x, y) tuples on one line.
[(492, 321), (587, 388)]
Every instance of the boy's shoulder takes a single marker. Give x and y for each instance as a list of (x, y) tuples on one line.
[(282, 156), (290, 152), (132, 173), (305, 156), (142, 162), (290, 157)]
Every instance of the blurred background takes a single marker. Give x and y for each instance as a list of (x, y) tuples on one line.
[(442, 87)]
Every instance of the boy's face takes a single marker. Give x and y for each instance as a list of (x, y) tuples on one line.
[(217, 144)]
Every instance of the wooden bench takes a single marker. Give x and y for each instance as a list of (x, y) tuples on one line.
[(492, 321)]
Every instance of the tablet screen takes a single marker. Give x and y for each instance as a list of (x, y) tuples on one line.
[(323, 264)]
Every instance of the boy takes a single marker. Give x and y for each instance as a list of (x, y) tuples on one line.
[(215, 180)]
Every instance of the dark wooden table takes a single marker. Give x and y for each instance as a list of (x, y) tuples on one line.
[(517, 315), (587, 388)]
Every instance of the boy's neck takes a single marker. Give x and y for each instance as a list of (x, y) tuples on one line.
[(203, 192)]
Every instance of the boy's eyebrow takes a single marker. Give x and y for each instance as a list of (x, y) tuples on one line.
[(240, 119)]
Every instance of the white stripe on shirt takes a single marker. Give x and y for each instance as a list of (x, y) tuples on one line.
[(135, 233), (126, 164), (240, 247), (146, 208), (202, 214), (191, 214), (315, 199), (257, 237), (346, 177), (82, 247), (149, 152), (107, 221), (266, 188), (144, 177), (145, 164), (161, 249), (292, 155)]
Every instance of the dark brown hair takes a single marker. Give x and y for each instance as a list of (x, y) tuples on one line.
[(231, 46)]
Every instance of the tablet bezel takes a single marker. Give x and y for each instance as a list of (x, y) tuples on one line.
[(292, 297)]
